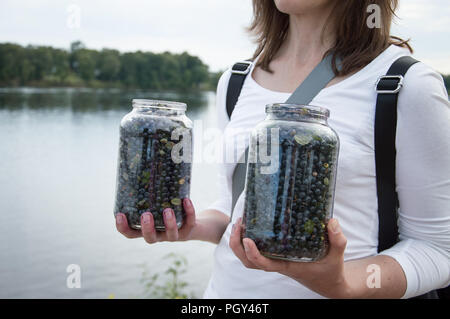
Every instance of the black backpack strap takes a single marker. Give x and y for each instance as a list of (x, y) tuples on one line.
[(388, 88), (239, 72)]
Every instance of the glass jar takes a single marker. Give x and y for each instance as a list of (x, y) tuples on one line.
[(154, 165), (287, 209)]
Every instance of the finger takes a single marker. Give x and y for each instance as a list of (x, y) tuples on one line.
[(124, 229), (338, 241), (171, 224), (148, 228), (190, 212), (252, 253), (236, 245), (190, 218)]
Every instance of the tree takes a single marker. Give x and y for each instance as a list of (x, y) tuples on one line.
[(447, 81), (41, 58), (61, 67), (84, 63), (159, 71), (108, 65), (11, 56), (193, 71), (76, 45), (128, 69), (214, 78)]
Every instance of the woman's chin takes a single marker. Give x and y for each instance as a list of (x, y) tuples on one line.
[(300, 6)]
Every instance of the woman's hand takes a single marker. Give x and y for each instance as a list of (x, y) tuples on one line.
[(149, 232), (326, 277), (209, 226)]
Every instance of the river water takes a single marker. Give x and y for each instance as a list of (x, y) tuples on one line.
[(58, 162)]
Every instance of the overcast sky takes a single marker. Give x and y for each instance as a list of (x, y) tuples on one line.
[(210, 29)]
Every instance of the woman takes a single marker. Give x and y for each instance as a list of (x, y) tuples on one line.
[(293, 36)]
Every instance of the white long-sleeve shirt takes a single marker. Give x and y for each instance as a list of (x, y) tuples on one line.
[(422, 176)]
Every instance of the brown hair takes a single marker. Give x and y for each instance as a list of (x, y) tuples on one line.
[(356, 44)]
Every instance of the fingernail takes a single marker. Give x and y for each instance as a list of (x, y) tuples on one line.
[(246, 247), (167, 213), (146, 218), (119, 219), (233, 228), (335, 228), (188, 202)]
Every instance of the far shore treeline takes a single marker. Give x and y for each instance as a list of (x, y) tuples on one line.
[(44, 66)]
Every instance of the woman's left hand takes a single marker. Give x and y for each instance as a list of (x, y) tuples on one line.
[(326, 276)]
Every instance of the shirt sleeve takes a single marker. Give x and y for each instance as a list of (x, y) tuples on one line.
[(223, 203), (423, 182)]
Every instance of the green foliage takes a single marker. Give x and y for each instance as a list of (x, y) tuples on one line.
[(167, 285), (214, 78), (77, 45), (447, 81), (108, 65), (61, 65), (84, 63), (39, 65)]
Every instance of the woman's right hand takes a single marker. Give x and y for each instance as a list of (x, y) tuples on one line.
[(149, 232)]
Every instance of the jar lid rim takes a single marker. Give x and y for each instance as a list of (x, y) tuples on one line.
[(291, 107), (159, 104)]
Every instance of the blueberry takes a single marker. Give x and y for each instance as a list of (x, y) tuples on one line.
[(289, 209), (146, 172)]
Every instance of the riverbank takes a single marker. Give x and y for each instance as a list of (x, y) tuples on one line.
[(73, 81), (45, 66)]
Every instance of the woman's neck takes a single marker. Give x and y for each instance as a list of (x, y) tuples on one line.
[(306, 43), (307, 39)]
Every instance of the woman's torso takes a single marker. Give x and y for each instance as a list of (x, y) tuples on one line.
[(352, 108)]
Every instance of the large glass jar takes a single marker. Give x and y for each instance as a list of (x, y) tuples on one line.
[(154, 165), (288, 206)]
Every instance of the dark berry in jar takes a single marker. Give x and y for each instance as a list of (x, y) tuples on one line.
[(149, 174), (286, 212)]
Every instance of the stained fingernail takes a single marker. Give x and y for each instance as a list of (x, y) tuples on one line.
[(146, 218), (167, 213), (119, 219)]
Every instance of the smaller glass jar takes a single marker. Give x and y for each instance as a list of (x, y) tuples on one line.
[(287, 209), (154, 165)]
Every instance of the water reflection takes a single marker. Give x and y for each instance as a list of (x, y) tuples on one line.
[(91, 100), (57, 186)]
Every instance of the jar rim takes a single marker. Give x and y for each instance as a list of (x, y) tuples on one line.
[(160, 104), (298, 108)]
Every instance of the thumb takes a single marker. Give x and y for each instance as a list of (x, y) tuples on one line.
[(338, 242)]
